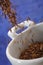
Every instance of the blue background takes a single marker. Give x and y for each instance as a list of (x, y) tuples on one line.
[(24, 8)]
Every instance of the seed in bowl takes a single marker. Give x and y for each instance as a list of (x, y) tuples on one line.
[(34, 50)]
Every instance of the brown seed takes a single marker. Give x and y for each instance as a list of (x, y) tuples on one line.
[(34, 50), (6, 8)]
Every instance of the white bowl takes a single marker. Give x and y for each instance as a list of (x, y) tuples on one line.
[(21, 42)]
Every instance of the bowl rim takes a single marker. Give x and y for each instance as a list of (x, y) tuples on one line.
[(13, 58), (29, 28)]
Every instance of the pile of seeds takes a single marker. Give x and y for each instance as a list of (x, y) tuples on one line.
[(35, 50), (7, 10)]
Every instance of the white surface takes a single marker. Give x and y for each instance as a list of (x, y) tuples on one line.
[(17, 45), (13, 34)]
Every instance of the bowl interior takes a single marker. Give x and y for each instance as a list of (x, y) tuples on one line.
[(33, 34)]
